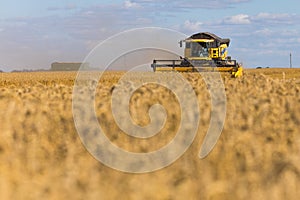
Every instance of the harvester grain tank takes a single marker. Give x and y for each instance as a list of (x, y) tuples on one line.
[(203, 52)]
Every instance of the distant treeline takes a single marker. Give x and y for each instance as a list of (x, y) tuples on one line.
[(30, 70), (57, 66)]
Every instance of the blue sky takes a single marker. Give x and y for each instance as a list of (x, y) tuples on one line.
[(33, 33)]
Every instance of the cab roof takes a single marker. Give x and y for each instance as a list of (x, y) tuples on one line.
[(209, 36)]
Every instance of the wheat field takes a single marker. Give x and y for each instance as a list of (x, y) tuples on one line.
[(256, 157)]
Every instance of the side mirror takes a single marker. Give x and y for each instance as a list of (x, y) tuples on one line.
[(180, 43)]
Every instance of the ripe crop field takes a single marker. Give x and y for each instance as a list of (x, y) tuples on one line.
[(256, 157)]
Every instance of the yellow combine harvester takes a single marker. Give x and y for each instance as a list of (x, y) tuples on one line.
[(203, 52)]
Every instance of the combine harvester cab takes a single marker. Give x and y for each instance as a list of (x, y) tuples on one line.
[(203, 52)]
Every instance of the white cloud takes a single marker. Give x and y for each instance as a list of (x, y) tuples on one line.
[(272, 16), (262, 19), (70, 7), (192, 26), (186, 5), (130, 4), (265, 32), (67, 7), (143, 21), (238, 19), (237, 1), (276, 18)]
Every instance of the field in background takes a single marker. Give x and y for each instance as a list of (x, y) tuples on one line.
[(279, 73), (257, 156)]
